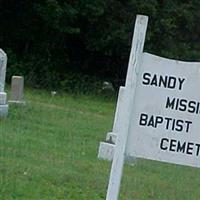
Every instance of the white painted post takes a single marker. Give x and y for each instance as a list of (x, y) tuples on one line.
[(119, 153), (136, 48)]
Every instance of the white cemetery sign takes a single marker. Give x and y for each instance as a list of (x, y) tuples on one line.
[(166, 112), (160, 119)]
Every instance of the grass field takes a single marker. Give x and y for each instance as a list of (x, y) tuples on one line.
[(48, 151)]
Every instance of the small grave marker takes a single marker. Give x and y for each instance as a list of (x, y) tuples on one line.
[(17, 90)]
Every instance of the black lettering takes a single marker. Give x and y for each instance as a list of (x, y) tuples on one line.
[(171, 82), (197, 109), (188, 125), (159, 120), (151, 122), (189, 148), (191, 106), (179, 125), (172, 145), (154, 80), (146, 78), (173, 124), (170, 103), (181, 147), (198, 147), (168, 120), (182, 104), (143, 119), (181, 83), (177, 103), (163, 81), (162, 146)]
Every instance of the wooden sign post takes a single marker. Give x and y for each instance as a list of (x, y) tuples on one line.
[(124, 118)]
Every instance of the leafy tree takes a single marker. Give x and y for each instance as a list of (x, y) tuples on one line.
[(47, 39)]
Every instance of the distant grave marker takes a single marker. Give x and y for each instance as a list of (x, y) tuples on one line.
[(17, 90), (3, 95)]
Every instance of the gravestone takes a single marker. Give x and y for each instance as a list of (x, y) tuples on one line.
[(17, 90), (3, 95)]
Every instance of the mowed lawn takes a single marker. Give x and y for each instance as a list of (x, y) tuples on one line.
[(48, 151)]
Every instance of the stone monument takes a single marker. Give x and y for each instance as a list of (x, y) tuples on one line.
[(17, 90), (3, 95)]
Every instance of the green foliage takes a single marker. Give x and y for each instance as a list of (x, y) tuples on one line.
[(91, 37), (48, 151), (175, 31), (81, 84), (39, 72), (14, 67)]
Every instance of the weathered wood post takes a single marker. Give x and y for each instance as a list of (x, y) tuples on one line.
[(124, 118)]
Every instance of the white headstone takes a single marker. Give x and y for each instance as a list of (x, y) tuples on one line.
[(3, 63), (3, 95)]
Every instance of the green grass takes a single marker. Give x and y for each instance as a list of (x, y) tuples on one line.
[(48, 151)]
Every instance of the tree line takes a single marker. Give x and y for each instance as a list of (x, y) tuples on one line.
[(51, 41)]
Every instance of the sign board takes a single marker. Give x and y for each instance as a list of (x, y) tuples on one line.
[(165, 123), (161, 111)]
